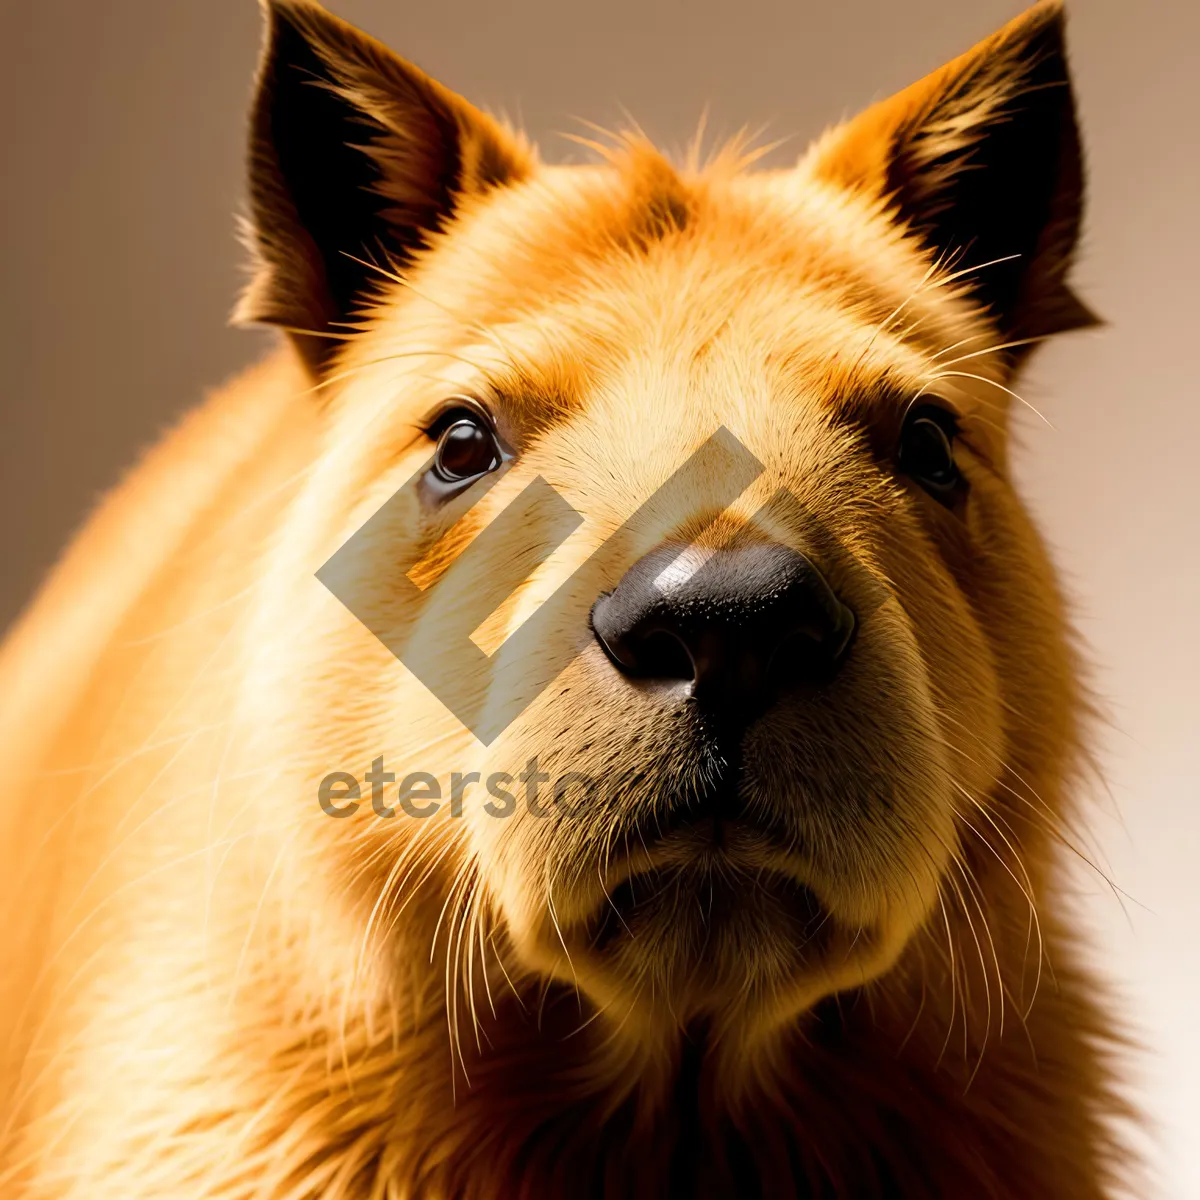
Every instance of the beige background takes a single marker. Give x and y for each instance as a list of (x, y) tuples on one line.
[(122, 166)]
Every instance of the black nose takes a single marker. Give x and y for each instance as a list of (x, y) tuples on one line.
[(749, 621)]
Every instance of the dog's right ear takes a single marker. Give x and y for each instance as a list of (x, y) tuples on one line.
[(356, 157)]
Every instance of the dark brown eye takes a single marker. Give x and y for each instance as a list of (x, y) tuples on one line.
[(926, 451), (466, 447)]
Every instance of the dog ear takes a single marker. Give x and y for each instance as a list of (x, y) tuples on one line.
[(981, 162), (356, 158)]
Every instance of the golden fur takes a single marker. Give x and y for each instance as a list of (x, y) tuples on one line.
[(210, 988)]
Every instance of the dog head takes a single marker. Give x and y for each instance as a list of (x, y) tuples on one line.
[(681, 495)]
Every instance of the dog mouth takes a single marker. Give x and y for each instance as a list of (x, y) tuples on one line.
[(706, 896), (714, 863), (715, 811), (715, 900)]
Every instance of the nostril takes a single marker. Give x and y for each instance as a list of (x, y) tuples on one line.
[(661, 655), (812, 654), (653, 653)]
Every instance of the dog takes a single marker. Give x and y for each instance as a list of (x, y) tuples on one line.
[(588, 714)]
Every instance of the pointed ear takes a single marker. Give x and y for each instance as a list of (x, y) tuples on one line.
[(355, 157), (981, 162)]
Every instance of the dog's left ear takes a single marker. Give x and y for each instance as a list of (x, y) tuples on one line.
[(356, 158), (981, 162)]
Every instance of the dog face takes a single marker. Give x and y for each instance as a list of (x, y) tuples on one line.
[(692, 483)]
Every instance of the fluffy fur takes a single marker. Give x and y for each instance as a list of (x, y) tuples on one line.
[(211, 988)]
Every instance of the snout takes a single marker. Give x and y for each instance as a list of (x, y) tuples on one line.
[(727, 634), (772, 800)]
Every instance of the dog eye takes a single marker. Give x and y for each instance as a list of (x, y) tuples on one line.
[(466, 447), (926, 450)]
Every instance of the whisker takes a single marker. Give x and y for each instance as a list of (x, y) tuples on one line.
[(992, 383), (1026, 888)]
